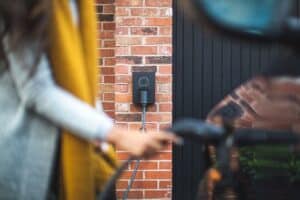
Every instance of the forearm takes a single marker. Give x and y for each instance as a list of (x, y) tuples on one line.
[(40, 94), (68, 112)]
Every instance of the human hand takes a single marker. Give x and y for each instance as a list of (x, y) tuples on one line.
[(141, 145)]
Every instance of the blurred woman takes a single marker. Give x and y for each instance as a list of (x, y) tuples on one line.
[(47, 83)]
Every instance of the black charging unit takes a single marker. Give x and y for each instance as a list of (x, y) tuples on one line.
[(143, 87)]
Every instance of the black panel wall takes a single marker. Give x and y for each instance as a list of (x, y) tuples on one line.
[(207, 66)]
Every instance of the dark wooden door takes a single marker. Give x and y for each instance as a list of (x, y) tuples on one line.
[(207, 66)]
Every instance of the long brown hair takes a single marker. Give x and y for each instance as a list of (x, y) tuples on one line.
[(24, 21)]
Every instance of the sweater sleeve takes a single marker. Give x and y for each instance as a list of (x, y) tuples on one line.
[(39, 92)]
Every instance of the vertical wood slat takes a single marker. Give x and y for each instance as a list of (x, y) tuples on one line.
[(206, 67)]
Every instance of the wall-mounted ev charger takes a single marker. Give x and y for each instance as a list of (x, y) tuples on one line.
[(143, 88)]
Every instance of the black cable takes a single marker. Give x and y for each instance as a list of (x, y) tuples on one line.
[(132, 178), (137, 164), (110, 185)]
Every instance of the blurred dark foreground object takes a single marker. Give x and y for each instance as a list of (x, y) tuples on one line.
[(264, 20), (228, 180)]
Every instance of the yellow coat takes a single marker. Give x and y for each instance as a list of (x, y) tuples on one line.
[(73, 55)]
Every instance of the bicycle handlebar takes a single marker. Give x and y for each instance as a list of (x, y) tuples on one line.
[(208, 133)]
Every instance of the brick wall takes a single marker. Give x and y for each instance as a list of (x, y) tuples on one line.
[(138, 34), (106, 27)]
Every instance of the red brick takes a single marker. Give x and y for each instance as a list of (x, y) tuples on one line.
[(163, 97), (165, 69), (128, 3), (132, 117), (122, 51), (122, 88), (109, 79), (158, 60), (165, 107), (122, 31), (138, 185), (165, 184), (104, 17), (158, 40), (162, 156), (164, 127), (145, 184), (123, 79), (158, 117), (121, 69), (144, 31), (157, 194), (129, 59), (108, 96), (123, 98), (107, 70), (122, 184), (107, 52), (127, 175), (128, 41), (158, 21), (109, 8), (109, 26), (109, 61), (165, 165), (131, 194), (106, 35), (158, 174), (131, 21), (121, 11), (147, 12), (107, 88), (159, 3), (109, 43), (111, 114), (145, 165), (143, 50), (108, 106), (164, 79), (165, 30)]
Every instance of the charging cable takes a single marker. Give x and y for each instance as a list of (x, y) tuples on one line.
[(108, 189), (144, 103)]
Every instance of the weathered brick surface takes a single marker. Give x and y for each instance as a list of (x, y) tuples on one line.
[(135, 35), (106, 27)]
